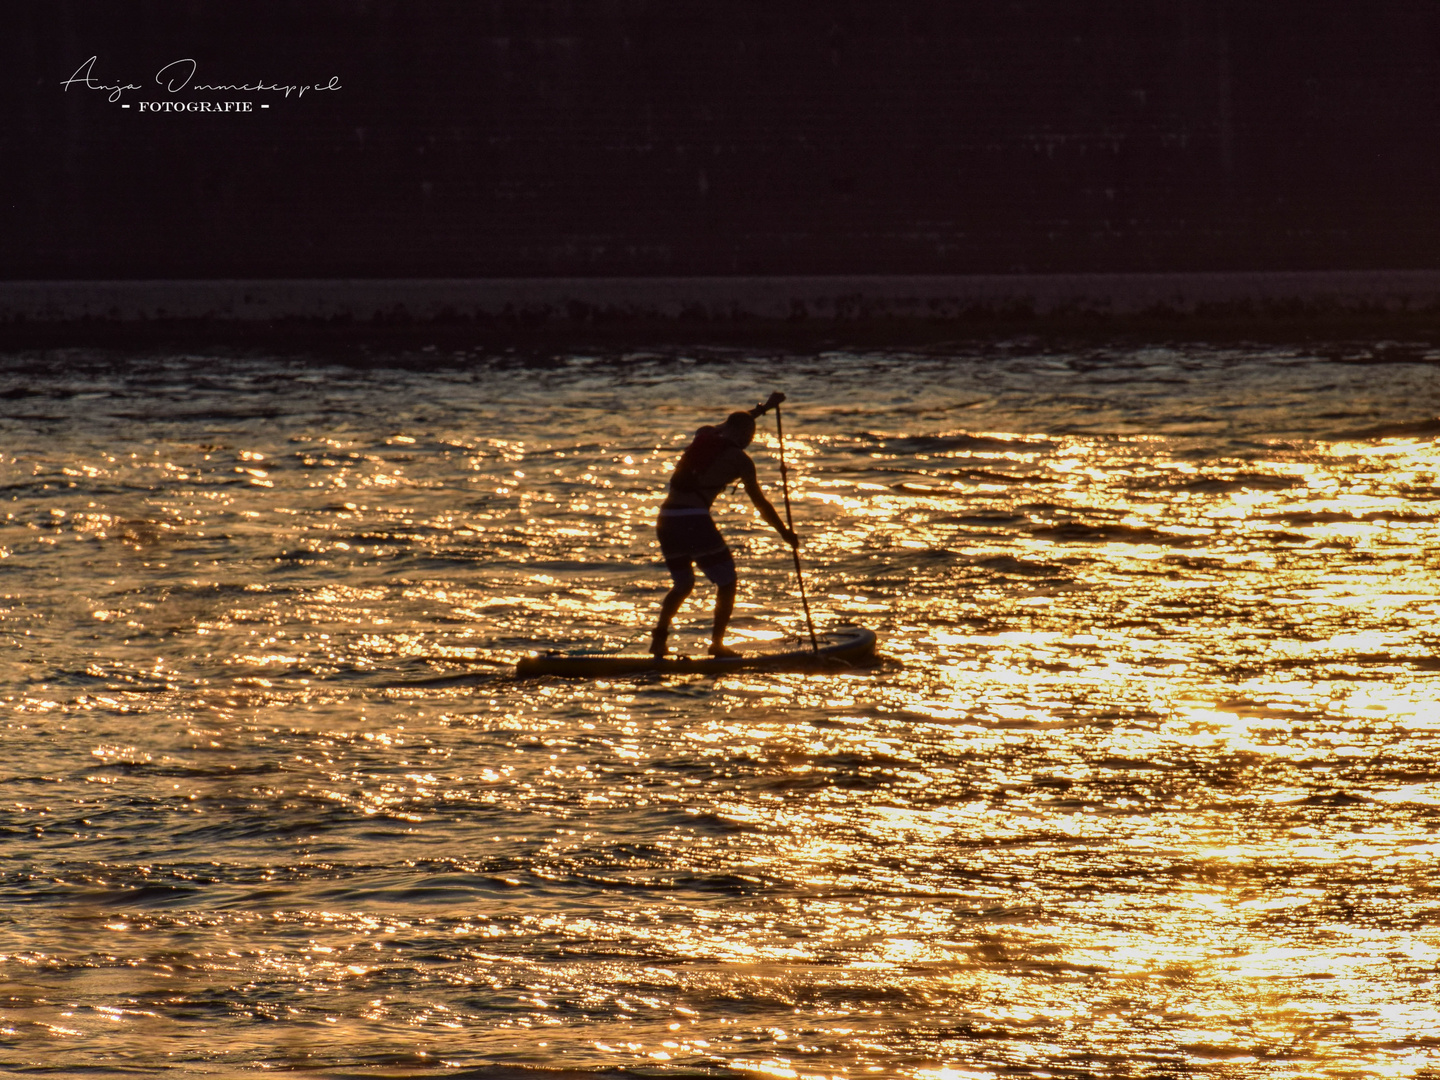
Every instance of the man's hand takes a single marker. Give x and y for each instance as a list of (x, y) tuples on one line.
[(769, 403), (790, 537)]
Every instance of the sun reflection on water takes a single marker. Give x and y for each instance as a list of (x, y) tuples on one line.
[(1145, 783)]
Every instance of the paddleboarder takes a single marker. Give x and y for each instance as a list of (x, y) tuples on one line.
[(714, 460)]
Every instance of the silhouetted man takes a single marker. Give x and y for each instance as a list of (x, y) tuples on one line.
[(713, 461)]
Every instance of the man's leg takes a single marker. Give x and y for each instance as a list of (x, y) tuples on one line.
[(684, 582), (724, 605), (719, 567)]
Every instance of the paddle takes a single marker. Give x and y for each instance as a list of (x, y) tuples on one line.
[(790, 524)]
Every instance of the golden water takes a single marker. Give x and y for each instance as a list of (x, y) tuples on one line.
[(1145, 784)]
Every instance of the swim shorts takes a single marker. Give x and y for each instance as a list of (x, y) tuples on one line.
[(689, 536)]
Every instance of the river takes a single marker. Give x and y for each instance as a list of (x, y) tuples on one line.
[(1144, 782)]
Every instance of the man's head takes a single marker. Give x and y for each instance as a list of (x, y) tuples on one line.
[(739, 428)]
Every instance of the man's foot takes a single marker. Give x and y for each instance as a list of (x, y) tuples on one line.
[(657, 643), (722, 652)]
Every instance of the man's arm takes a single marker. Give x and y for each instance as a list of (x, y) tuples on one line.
[(752, 488)]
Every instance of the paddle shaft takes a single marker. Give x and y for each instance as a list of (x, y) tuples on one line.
[(790, 523)]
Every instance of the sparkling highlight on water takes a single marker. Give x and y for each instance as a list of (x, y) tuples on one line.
[(1144, 783)]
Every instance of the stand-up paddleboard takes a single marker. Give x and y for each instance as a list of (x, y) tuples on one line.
[(841, 648)]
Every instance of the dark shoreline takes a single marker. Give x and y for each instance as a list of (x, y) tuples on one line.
[(782, 312)]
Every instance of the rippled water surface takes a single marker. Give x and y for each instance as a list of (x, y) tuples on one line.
[(1145, 783)]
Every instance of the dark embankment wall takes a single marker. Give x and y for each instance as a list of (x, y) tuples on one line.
[(602, 138)]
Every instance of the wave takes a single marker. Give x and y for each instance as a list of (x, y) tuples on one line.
[(1222, 485), (1073, 532), (1005, 564), (1302, 518), (943, 444), (974, 476), (1412, 429)]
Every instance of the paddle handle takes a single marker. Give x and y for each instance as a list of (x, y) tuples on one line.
[(790, 524)]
